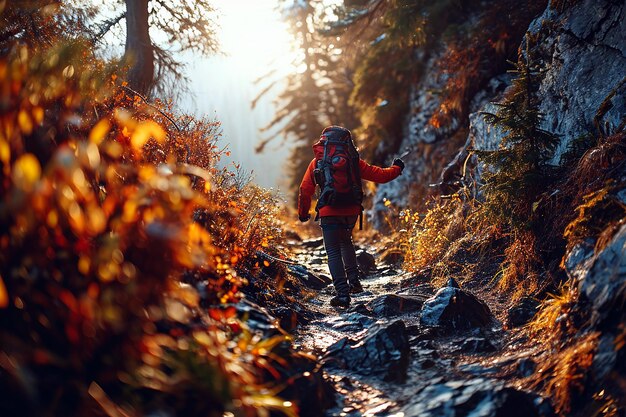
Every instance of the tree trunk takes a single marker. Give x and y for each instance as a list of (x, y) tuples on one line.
[(139, 52)]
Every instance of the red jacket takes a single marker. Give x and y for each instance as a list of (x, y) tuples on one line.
[(368, 172)]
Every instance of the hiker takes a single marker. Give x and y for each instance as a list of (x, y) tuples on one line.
[(338, 170)]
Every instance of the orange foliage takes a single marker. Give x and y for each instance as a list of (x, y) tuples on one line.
[(108, 203)]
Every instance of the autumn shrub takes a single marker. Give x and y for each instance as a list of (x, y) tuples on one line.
[(427, 237), (107, 202)]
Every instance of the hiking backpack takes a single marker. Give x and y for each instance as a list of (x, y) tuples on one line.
[(337, 170)]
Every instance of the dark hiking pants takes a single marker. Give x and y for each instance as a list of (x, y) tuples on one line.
[(337, 232)]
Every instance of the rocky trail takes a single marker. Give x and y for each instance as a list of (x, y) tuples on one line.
[(404, 348)]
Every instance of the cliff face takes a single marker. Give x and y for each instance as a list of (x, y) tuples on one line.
[(582, 53)]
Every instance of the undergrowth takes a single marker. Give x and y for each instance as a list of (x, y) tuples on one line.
[(113, 211)]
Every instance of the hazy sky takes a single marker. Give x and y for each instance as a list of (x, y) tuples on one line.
[(255, 40)]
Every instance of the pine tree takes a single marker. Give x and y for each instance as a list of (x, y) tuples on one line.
[(315, 96), (518, 171)]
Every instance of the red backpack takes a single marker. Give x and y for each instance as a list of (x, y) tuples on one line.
[(337, 169)]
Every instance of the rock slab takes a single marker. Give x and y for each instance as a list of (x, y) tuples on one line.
[(604, 283), (476, 397), (389, 305), (383, 351)]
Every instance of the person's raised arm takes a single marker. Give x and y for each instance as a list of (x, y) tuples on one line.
[(378, 174)]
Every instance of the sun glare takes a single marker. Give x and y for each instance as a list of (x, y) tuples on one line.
[(253, 35)]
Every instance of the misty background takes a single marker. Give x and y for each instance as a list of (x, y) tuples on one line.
[(255, 41)]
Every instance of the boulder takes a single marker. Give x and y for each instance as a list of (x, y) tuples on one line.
[(455, 308), (389, 305), (383, 351), (310, 280), (521, 313), (366, 262), (476, 397)]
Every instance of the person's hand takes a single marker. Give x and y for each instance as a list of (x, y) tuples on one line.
[(305, 218), (399, 163)]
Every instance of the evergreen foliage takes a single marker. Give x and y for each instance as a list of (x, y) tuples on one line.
[(315, 96), (387, 63), (518, 171)]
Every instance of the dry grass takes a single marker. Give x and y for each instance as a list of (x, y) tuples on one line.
[(553, 320), (426, 238), (520, 274), (562, 377)]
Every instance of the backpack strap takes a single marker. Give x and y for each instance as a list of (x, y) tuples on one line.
[(356, 172)]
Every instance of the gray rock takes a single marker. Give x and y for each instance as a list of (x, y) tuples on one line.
[(393, 305), (605, 358), (477, 397), (584, 55), (383, 351), (350, 322), (578, 259), (454, 308), (310, 280), (477, 345), (604, 283), (583, 51)]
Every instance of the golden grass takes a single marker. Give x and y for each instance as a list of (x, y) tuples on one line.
[(562, 376), (520, 273), (426, 238), (552, 321)]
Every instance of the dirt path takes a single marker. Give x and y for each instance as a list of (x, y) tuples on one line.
[(447, 373)]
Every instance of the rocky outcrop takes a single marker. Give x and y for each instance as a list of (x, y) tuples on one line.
[(583, 55), (601, 280), (604, 282)]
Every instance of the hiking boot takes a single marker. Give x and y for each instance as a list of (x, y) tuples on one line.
[(340, 301), (355, 287)]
